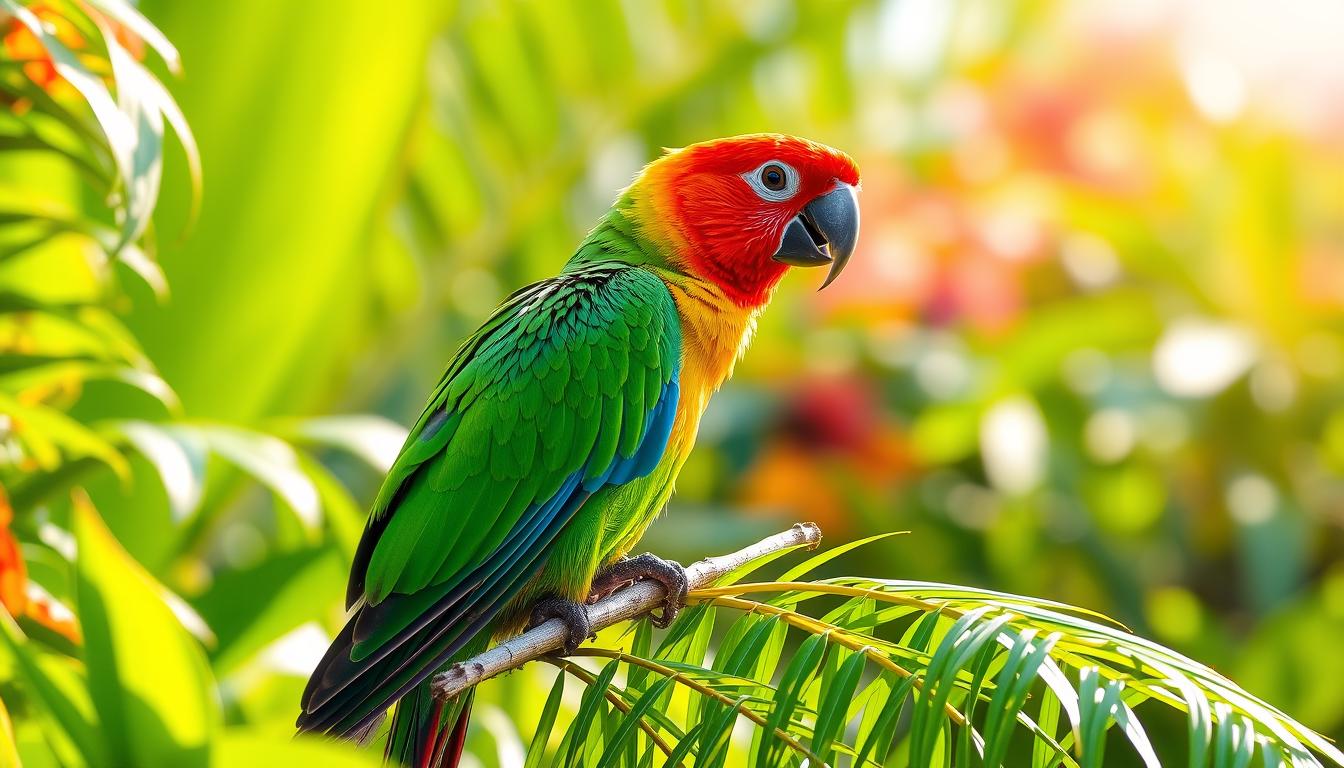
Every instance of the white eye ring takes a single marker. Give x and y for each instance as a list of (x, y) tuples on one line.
[(756, 179)]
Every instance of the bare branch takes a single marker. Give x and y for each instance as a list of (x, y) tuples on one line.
[(628, 603)]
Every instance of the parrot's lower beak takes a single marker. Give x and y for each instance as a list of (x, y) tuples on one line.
[(825, 232)]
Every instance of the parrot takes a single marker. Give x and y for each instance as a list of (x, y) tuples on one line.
[(555, 436)]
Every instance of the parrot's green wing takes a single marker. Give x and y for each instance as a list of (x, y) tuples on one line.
[(570, 386)]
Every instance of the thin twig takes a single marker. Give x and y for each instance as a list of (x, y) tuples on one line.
[(628, 603)]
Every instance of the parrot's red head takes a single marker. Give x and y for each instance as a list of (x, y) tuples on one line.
[(740, 211)]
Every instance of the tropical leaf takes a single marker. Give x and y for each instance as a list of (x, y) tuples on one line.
[(250, 608), (159, 713), (125, 14), (969, 660), (27, 372), (178, 451), (53, 438), (374, 439), (131, 121), (181, 470), (9, 751), (541, 735), (246, 748), (58, 690)]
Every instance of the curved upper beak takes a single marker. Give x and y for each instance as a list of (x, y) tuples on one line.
[(825, 232)]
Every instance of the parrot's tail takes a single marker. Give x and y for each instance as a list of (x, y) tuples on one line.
[(348, 698), (427, 733)]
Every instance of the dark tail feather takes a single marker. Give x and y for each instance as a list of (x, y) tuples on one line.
[(452, 753), (364, 735), (426, 733)]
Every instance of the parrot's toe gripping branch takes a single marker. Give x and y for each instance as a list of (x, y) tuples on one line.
[(669, 573), (574, 616), (541, 640)]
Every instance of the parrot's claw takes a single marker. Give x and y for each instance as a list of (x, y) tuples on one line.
[(574, 616), (622, 573)]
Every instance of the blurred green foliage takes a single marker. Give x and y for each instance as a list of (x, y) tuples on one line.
[(1089, 349)]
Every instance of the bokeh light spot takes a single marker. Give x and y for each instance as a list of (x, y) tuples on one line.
[(1089, 260), (1199, 358), (1251, 499), (1086, 371), (1110, 435), (1175, 614), (1127, 499), (1013, 445), (1216, 86)]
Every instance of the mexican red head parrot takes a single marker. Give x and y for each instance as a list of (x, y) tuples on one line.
[(557, 432)]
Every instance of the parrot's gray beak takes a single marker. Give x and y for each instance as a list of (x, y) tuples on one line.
[(825, 232)]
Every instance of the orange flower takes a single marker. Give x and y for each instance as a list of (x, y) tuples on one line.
[(15, 595), (20, 44), (13, 573)]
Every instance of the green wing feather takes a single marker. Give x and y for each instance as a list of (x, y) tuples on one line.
[(570, 386), (563, 379)]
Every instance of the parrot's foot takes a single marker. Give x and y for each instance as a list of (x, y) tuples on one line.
[(623, 573), (574, 615)]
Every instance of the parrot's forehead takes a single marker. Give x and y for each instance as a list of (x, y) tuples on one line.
[(740, 154)]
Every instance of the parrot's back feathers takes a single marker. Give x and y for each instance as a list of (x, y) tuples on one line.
[(571, 386)]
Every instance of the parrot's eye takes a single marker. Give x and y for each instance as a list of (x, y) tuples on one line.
[(774, 181), (772, 177)]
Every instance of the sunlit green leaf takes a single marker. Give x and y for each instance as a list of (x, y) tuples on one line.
[(240, 748), (833, 706), (125, 14), (9, 751), (49, 434), (248, 609), (157, 713), (374, 439), (590, 711), (821, 558), (181, 466), (629, 722), (57, 689), (541, 735), (273, 462)]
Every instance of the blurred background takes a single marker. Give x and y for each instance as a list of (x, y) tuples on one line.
[(1090, 348)]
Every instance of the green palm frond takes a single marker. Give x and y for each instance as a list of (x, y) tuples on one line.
[(117, 123), (84, 114), (868, 671)]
